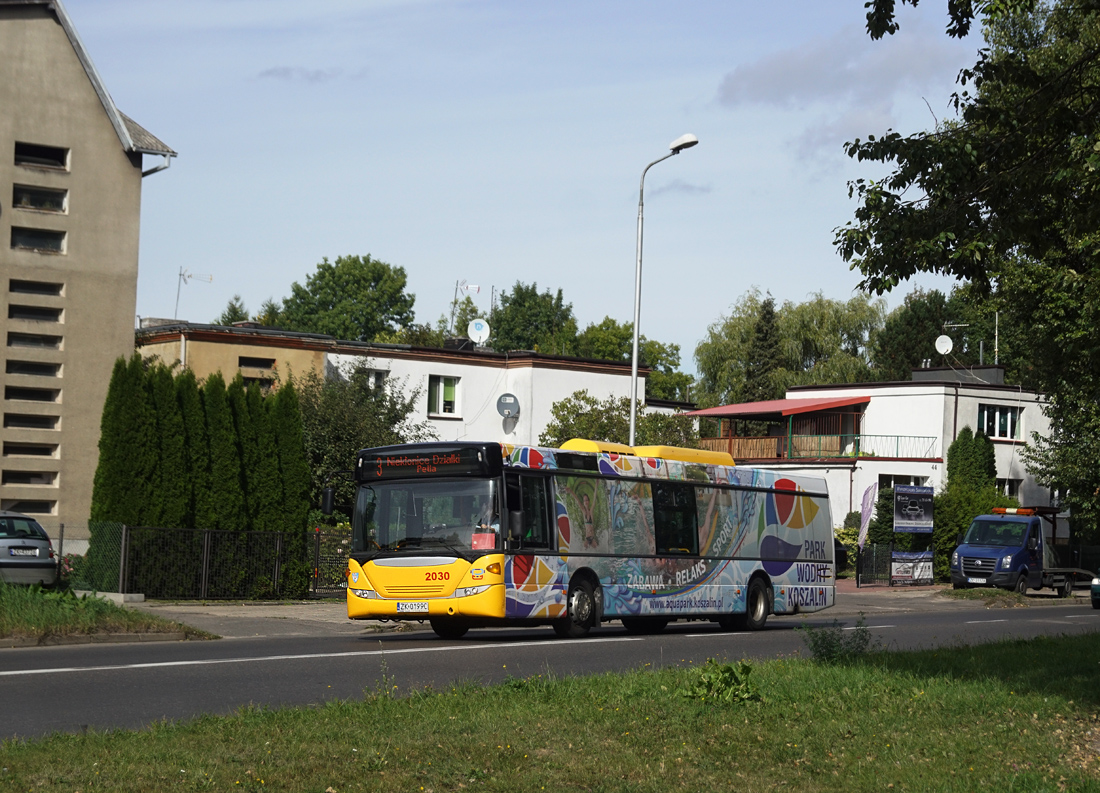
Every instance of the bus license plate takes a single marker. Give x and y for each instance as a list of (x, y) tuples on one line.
[(406, 608), (975, 580)]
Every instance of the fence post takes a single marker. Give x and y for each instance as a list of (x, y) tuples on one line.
[(60, 550), (278, 558), (204, 587), (123, 552), (859, 564), (316, 557)]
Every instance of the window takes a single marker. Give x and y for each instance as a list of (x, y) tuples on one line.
[(33, 368), (12, 449), (530, 494), (35, 340), (442, 396), (41, 198), (893, 480), (40, 240), (18, 285), (1010, 487), (31, 394), (29, 507), (30, 421), (244, 362), (34, 313), (28, 478), (999, 421), (41, 156), (676, 529)]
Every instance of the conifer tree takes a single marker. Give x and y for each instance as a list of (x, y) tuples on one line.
[(246, 442), (121, 487), (765, 357), (168, 505), (225, 465), (200, 506), (286, 423), (261, 466)]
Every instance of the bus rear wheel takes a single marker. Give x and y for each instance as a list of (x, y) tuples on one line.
[(448, 629), (644, 626), (581, 615), (756, 610)]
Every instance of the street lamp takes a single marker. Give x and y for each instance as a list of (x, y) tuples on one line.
[(677, 146)]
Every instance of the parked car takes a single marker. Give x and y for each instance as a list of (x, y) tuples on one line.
[(1095, 590), (840, 553), (26, 553)]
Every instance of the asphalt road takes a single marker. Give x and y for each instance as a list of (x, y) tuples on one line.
[(72, 688)]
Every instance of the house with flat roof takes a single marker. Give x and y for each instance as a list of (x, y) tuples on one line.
[(71, 168), (463, 393), (884, 434)]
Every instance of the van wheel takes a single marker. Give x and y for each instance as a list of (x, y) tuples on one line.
[(1066, 590), (446, 629), (581, 615), (1021, 585)]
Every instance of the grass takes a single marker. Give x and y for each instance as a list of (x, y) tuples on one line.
[(1012, 716), (33, 612), (991, 597)]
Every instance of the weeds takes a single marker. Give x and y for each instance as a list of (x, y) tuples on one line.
[(721, 682), (834, 643)]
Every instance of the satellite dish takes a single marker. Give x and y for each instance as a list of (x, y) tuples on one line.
[(944, 345), (478, 330), (508, 405)]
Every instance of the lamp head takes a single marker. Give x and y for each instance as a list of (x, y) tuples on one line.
[(683, 142)]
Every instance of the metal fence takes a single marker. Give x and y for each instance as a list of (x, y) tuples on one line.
[(330, 549), (873, 564)]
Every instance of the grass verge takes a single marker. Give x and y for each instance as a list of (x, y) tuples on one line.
[(991, 597), (33, 612), (1013, 716)]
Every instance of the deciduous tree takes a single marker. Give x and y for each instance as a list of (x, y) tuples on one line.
[(530, 320)]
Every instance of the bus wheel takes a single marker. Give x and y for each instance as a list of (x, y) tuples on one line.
[(446, 629), (757, 605), (644, 625), (582, 611), (1021, 584)]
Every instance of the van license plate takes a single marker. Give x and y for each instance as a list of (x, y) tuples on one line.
[(416, 608), (976, 580), (24, 552)]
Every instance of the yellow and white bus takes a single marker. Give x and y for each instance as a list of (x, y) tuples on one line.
[(469, 535)]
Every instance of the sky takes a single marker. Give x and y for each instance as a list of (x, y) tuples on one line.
[(490, 142)]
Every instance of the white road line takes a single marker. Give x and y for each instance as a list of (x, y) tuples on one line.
[(982, 622), (1082, 616), (868, 627), (309, 656)]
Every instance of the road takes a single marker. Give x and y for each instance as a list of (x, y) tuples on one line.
[(72, 688)]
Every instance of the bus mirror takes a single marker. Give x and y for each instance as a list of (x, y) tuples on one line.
[(515, 523), (327, 497)]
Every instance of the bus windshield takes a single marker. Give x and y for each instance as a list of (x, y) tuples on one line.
[(999, 533), (450, 516)]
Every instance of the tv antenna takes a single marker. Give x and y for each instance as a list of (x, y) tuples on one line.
[(186, 276)]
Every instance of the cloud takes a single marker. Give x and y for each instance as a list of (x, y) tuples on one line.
[(680, 186), (289, 73), (855, 81)]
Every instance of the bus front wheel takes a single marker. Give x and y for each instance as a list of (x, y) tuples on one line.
[(446, 629), (581, 615)]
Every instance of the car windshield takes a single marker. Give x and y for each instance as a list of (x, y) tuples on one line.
[(1000, 533), (21, 527), (448, 516)]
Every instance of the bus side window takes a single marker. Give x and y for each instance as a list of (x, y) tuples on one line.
[(676, 528), (530, 494)]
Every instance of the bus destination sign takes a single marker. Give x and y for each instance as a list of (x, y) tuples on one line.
[(444, 462)]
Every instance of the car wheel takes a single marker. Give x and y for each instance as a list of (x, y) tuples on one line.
[(1021, 584), (581, 615), (644, 626), (1095, 603), (448, 629)]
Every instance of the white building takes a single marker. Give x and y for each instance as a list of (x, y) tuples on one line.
[(886, 434)]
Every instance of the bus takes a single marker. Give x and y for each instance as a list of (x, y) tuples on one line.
[(470, 535)]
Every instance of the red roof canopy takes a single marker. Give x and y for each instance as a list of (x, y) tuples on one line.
[(779, 407)]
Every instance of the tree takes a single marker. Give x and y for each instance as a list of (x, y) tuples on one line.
[(286, 423), (168, 505), (764, 357), (234, 312), (264, 484), (881, 18), (1006, 198), (610, 341), (722, 355), (124, 474), (528, 320), (353, 298), (225, 462), (582, 415), (341, 415), (200, 505), (270, 314), (908, 336)]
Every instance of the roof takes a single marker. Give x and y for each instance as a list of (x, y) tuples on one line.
[(779, 407), (133, 136)]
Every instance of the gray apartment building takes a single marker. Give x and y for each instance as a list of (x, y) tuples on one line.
[(71, 167)]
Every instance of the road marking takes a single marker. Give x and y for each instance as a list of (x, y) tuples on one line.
[(868, 627), (304, 657), (982, 622), (1081, 616)]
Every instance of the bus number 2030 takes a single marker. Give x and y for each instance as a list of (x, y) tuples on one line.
[(433, 576)]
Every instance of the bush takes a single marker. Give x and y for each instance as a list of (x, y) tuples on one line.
[(833, 644)]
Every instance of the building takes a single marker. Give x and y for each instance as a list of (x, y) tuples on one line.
[(884, 434), (70, 202), (464, 393)]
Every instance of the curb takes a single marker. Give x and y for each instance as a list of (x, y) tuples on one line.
[(91, 638)]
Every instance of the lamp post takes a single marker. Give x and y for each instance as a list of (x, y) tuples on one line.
[(677, 146)]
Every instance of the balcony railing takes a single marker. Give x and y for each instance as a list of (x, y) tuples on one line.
[(780, 447)]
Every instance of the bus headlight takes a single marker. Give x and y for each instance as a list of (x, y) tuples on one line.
[(1006, 562), (467, 591), (366, 594)]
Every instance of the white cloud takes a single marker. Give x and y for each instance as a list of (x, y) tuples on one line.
[(299, 73), (680, 186)]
